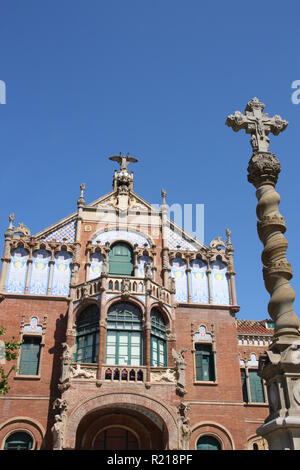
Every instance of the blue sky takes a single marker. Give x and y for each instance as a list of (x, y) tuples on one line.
[(88, 79)]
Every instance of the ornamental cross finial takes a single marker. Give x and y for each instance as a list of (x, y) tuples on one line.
[(257, 123), (123, 160)]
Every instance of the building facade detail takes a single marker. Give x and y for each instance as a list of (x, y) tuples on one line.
[(126, 323)]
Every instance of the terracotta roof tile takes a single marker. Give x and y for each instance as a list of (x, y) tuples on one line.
[(254, 327)]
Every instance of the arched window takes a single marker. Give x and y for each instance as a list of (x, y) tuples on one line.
[(124, 335), (87, 335), (18, 441), (208, 443), (121, 260), (116, 438), (158, 339)]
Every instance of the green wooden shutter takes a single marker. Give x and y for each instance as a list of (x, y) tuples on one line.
[(256, 387), (204, 362), (244, 386), (30, 356), (208, 443), (18, 441), (121, 260)]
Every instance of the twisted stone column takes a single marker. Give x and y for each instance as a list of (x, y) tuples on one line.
[(263, 171), (279, 366)]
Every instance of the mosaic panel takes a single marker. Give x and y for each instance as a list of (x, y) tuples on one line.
[(67, 232), (199, 282), (17, 271), (141, 263), (113, 235), (61, 274), (219, 281), (96, 266), (175, 241), (178, 271), (39, 272)]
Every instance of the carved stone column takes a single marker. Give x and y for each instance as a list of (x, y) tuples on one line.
[(280, 365), (165, 248)]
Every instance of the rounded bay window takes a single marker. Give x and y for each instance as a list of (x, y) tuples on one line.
[(87, 335), (124, 342)]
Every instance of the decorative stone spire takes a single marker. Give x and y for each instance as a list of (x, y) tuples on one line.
[(81, 201), (123, 180)]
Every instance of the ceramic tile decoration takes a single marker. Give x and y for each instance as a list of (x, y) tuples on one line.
[(219, 281), (67, 232), (17, 271)]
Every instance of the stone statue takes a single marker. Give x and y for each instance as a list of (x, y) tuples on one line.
[(148, 271), (216, 243), (123, 160), (184, 426), (58, 429), (180, 365), (58, 433), (66, 361), (257, 123)]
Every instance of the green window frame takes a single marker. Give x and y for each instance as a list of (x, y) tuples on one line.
[(124, 341), (30, 355), (158, 349), (256, 387), (208, 443), (87, 335), (121, 260), (18, 441), (252, 387), (204, 363)]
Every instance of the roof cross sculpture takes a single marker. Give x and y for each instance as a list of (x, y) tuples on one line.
[(123, 160), (257, 123)]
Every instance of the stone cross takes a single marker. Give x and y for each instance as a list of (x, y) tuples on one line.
[(257, 123)]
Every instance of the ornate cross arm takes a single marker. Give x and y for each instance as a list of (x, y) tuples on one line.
[(257, 123)]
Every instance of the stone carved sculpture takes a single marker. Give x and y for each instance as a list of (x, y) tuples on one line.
[(180, 367), (58, 429), (184, 426), (148, 271), (216, 243), (78, 372), (163, 376), (66, 361)]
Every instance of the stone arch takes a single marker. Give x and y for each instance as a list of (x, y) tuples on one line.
[(117, 234), (145, 404), (259, 441), (22, 424), (211, 429)]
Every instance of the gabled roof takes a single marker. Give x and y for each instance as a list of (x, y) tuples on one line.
[(254, 327), (66, 227)]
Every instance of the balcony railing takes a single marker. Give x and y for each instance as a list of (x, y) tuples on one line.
[(131, 374), (121, 285)]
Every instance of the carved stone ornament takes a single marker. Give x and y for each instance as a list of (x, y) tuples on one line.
[(58, 429), (78, 372), (263, 167), (180, 367), (167, 376)]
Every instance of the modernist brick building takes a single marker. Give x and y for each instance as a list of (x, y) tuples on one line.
[(128, 331)]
